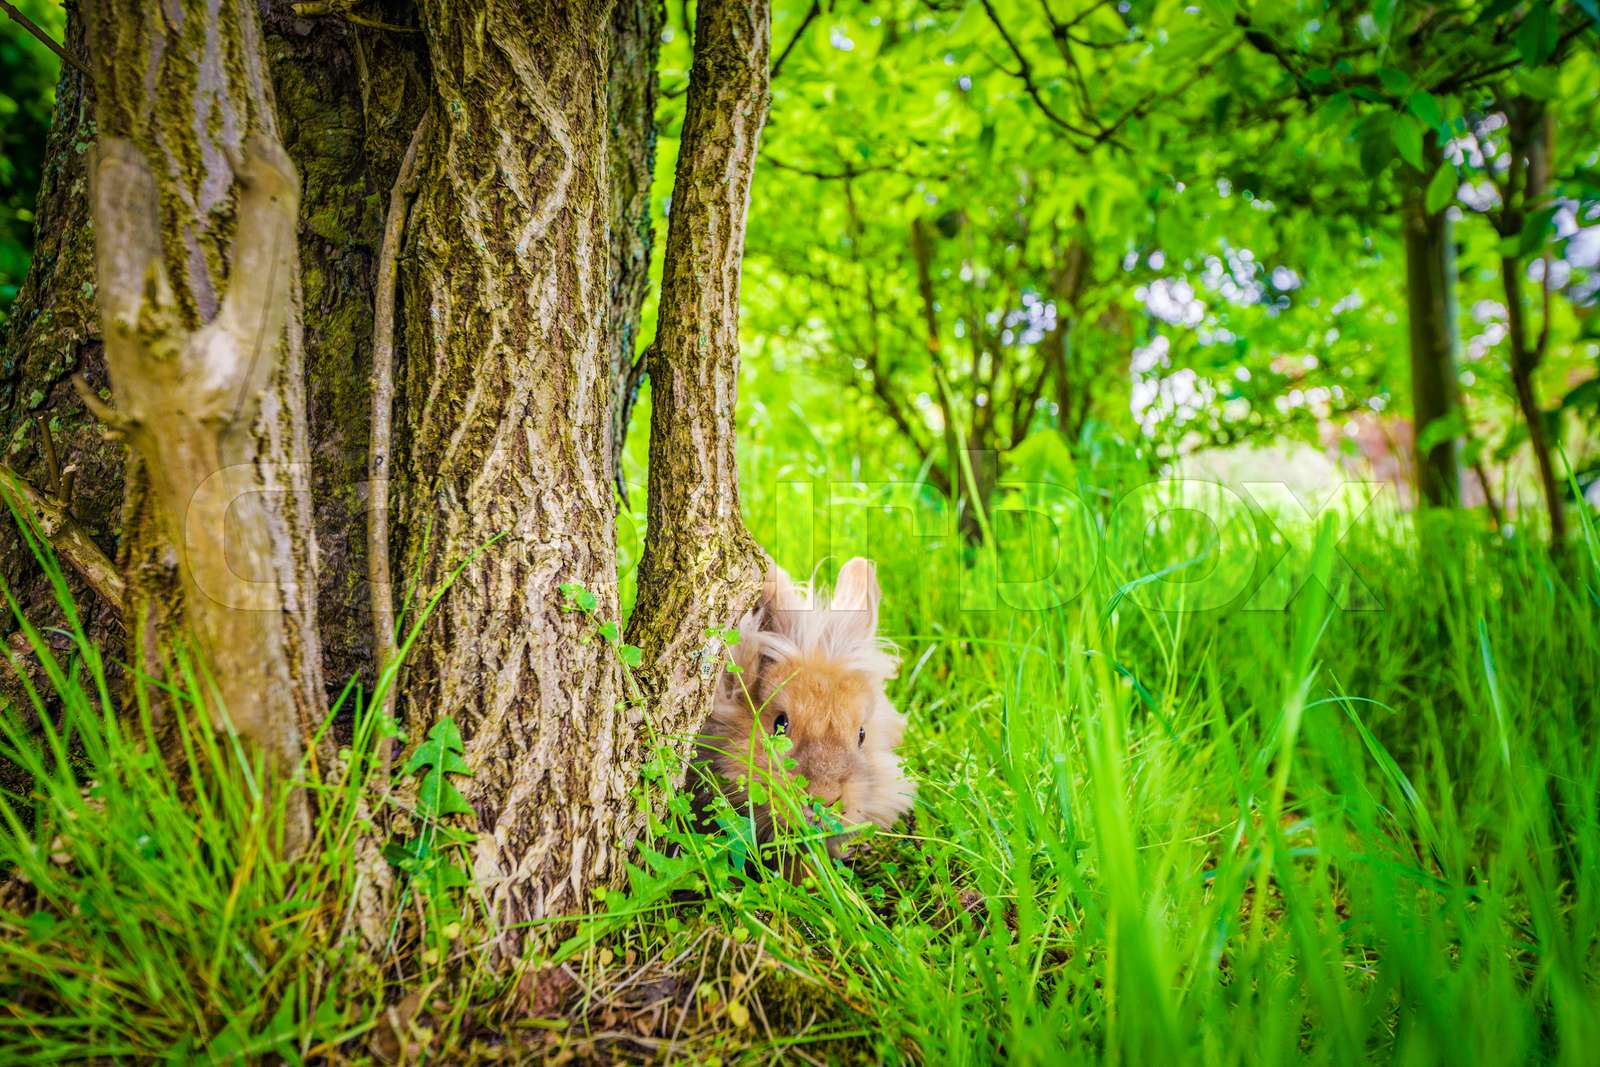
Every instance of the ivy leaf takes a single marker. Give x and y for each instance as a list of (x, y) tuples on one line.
[(1442, 188), (1537, 35), (577, 596), (611, 632), (441, 752), (438, 798), (632, 655), (442, 748), (1406, 132)]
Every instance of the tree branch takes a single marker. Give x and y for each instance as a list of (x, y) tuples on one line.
[(45, 39), (379, 578), (65, 535), (1025, 73), (805, 23), (637, 372)]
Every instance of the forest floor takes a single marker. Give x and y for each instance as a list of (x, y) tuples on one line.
[(1355, 818)]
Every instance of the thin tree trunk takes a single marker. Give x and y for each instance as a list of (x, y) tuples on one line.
[(1530, 136), (1431, 304), (964, 496), (631, 118), (1525, 360), (348, 100), (196, 266), (701, 570), (509, 423)]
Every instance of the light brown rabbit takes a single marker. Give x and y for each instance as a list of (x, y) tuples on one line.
[(813, 669)]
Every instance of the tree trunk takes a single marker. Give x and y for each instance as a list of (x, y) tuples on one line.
[(509, 429), (1526, 185), (1431, 301), (631, 157), (701, 570), (196, 268), (347, 100), (52, 334)]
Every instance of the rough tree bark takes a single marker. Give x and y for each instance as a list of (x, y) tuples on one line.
[(631, 156), (1431, 302), (509, 428), (196, 269), (54, 333), (520, 314), (701, 570), (347, 99)]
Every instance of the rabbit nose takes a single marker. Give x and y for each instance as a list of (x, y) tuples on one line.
[(828, 793)]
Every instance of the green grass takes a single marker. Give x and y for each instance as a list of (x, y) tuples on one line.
[(1142, 835)]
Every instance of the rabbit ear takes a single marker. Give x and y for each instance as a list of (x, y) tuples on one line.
[(780, 593), (858, 593)]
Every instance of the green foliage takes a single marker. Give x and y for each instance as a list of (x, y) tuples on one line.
[(1333, 833), (144, 915), (1231, 174), (27, 97), (574, 597), (1226, 783), (436, 859), (440, 754)]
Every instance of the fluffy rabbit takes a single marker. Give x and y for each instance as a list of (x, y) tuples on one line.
[(813, 669)]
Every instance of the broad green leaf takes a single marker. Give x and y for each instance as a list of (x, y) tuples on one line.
[(1443, 429), (436, 797), (1538, 34), (1442, 188), (1543, 83), (1406, 132), (1535, 231), (1515, 437), (1397, 82), (1376, 142), (1425, 106)]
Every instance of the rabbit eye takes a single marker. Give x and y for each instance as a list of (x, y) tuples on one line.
[(780, 725), (861, 737)]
